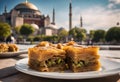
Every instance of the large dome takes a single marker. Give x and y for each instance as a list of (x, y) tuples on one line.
[(27, 7)]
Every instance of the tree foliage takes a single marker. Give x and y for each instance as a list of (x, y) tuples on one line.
[(17, 29), (113, 34), (5, 30), (78, 34), (92, 34), (26, 30), (73, 32), (99, 36), (62, 34), (53, 38)]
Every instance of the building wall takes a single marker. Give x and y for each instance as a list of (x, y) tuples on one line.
[(18, 21), (32, 20), (48, 32), (54, 31), (2, 18), (46, 21), (14, 14)]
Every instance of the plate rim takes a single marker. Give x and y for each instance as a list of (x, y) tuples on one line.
[(95, 74), (12, 54)]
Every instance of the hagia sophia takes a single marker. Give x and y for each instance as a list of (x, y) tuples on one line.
[(27, 12)]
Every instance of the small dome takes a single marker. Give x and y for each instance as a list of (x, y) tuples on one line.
[(35, 26), (52, 26), (62, 28)]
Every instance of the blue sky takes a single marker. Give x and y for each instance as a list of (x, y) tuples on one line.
[(96, 13), (58, 4)]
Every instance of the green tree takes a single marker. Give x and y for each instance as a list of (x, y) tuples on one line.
[(99, 36), (62, 34), (54, 38), (83, 30), (72, 32), (92, 33), (78, 34), (17, 29), (113, 34), (26, 30), (47, 38), (5, 30), (81, 36)]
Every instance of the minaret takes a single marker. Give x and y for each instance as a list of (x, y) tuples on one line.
[(70, 15), (81, 21), (5, 9), (5, 12), (53, 18)]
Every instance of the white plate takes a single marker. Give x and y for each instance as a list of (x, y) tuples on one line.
[(110, 53), (23, 49), (12, 54), (108, 68)]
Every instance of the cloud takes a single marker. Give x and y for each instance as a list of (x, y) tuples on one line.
[(62, 19), (100, 18), (113, 3), (97, 17)]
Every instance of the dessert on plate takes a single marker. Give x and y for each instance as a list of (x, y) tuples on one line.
[(8, 47), (81, 59), (47, 57)]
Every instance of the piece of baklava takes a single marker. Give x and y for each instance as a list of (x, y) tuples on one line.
[(3, 47), (8, 47), (59, 46), (71, 43), (81, 59), (45, 44), (46, 59), (12, 48)]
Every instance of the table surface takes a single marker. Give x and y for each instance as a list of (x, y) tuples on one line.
[(8, 73)]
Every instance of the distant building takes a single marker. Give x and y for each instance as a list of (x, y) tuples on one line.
[(27, 12)]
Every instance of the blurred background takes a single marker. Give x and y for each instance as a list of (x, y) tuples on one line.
[(88, 22)]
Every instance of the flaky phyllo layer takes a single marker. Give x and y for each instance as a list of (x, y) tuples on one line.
[(59, 58), (8, 47), (83, 59), (47, 59)]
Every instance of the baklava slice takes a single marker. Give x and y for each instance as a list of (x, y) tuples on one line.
[(3, 47), (81, 59), (47, 59), (71, 43), (12, 48), (43, 44)]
